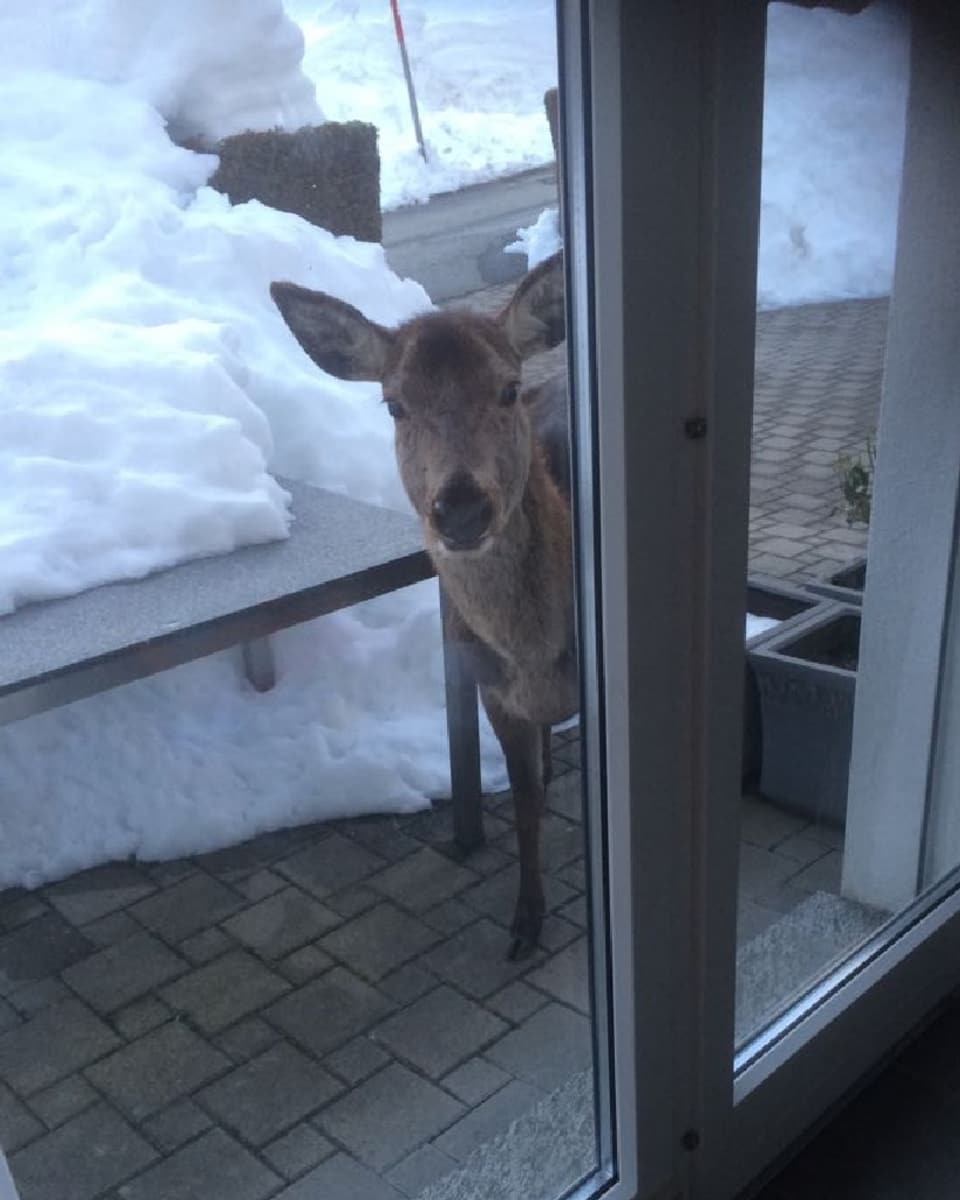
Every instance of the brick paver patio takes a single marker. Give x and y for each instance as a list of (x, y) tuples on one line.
[(327, 1011)]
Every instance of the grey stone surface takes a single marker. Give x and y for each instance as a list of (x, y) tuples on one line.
[(163, 1066), (328, 1012), (222, 992), (422, 880), (93, 894), (351, 901), (9, 1017), (420, 1169), (114, 927), (357, 1060), (186, 907), (379, 941), (295, 1152), (180, 1122), (205, 946), (52, 1045), (140, 1017), (565, 976), (63, 1101), (389, 1115), (343, 1178), (259, 885), (35, 997), (269, 1094), (38, 949), (407, 983), (81, 1159), (281, 923), (332, 864), (245, 1039), (475, 960), (306, 963), (488, 1119), (17, 1124), (214, 1167), (475, 1080), (17, 907), (496, 897), (125, 972), (439, 1030), (546, 1049)]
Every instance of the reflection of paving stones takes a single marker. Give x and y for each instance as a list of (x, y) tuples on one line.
[(439, 1031)]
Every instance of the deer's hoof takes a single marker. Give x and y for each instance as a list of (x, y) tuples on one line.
[(526, 927)]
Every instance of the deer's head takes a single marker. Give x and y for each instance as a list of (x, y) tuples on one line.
[(451, 381)]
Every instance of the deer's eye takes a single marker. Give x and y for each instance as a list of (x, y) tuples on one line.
[(395, 409), (508, 397)]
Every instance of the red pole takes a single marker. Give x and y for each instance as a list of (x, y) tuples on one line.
[(401, 42)]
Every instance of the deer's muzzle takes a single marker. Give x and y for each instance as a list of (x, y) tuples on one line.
[(461, 513)]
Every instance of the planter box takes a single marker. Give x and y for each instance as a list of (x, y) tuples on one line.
[(806, 674), (845, 585), (766, 597)]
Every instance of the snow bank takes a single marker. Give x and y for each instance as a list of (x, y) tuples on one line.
[(480, 71), (834, 110), (209, 67)]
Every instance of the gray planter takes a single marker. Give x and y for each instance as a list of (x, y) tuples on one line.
[(766, 597), (845, 585), (806, 674)]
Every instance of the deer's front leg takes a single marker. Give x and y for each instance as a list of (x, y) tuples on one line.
[(522, 743)]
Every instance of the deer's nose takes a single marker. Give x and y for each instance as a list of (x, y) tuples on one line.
[(461, 513)]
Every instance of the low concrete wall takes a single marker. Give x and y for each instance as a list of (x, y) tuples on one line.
[(329, 174)]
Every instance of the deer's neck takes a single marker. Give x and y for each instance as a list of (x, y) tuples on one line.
[(517, 596)]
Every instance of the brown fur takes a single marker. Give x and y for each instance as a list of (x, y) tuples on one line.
[(448, 377)]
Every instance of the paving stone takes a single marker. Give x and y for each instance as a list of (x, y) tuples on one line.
[(17, 1124), (761, 870), (357, 1060), (475, 960), (422, 880), (281, 923), (341, 1178), (379, 941), (420, 1169), (293, 1154), (9, 1017), (352, 901), (324, 1014), (243, 859), (389, 1115), (270, 1093), (438, 1031), (383, 836), (92, 894), (407, 983), (821, 876), (205, 946), (140, 1017), (516, 1001), (547, 1048), (161, 1067), (222, 992), (38, 949), (165, 874), (497, 896), (305, 963), (565, 976), (565, 793), (115, 976), (765, 825), (475, 1080), (802, 849), (246, 1038), (577, 912), (35, 997), (52, 1045), (575, 875), (259, 885), (214, 1167), (489, 1119), (335, 863), (177, 1124), (81, 1159), (187, 907), (63, 1101), (111, 929), (17, 907), (752, 920), (451, 915)]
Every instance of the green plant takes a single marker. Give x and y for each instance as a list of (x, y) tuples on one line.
[(856, 482)]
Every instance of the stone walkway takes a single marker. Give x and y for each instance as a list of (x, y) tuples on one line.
[(327, 1011)]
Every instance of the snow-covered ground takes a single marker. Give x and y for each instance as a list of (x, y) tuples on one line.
[(149, 391)]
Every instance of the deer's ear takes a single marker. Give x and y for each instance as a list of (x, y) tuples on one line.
[(337, 336), (534, 318)]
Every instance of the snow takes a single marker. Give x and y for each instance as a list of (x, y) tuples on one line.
[(480, 72), (757, 625), (150, 393)]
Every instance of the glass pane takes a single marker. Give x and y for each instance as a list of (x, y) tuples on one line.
[(245, 932), (835, 102)]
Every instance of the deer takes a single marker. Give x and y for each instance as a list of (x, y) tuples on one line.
[(485, 465)]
